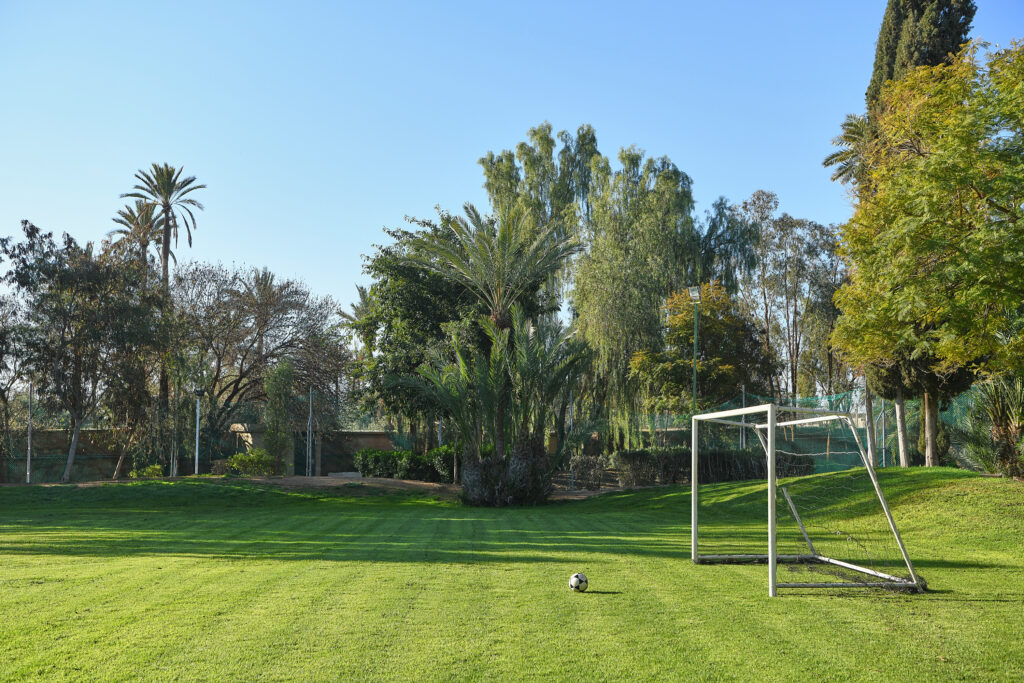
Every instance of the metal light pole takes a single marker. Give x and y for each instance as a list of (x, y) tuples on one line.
[(199, 395), (28, 453), (695, 298), (309, 436)]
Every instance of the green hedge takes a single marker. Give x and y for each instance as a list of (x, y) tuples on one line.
[(651, 466), (435, 466)]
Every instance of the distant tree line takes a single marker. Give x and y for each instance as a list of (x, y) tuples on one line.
[(108, 335)]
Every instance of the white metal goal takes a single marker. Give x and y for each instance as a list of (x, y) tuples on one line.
[(835, 523)]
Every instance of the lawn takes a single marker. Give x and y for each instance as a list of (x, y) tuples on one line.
[(234, 581)]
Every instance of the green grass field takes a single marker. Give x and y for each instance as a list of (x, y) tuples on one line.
[(231, 581)]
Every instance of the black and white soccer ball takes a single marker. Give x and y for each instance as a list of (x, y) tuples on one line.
[(578, 582)]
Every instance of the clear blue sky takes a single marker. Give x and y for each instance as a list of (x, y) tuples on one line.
[(315, 124)]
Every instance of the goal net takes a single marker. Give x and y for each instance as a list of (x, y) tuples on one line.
[(809, 505)]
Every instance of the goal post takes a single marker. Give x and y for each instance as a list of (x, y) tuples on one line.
[(836, 521)]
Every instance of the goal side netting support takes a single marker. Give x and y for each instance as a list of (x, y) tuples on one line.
[(828, 522)]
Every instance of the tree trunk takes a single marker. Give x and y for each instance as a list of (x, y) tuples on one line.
[(901, 429), (66, 477), (165, 280), (120, 465), (499, 430), (869, 414), (931, 429)]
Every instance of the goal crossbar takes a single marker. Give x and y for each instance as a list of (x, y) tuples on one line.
[(766, 435)]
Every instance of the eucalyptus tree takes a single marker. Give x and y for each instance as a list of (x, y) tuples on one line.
[(237, 324), (12, 361), (551, 187), (641, 244)]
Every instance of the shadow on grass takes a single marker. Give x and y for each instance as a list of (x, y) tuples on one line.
[(240, 520)]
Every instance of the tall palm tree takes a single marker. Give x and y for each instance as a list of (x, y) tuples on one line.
[(164, 187), (850, 157), (500, 259), (139, 228)]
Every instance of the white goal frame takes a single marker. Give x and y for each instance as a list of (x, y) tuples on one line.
[(766, 434)]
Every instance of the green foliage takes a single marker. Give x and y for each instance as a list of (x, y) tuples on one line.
[(256, 463), (917, 33), (650, 466), (729, 354), (277, 412), (852, 146), (588, 470), (443, 459), (148, 472), (502, 260), (400, 464), (932, 274), (408, 310), (507, 395), (1001, 401), (88, 319)]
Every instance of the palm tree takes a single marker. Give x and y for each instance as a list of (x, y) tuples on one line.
[(164, 187), (850, 159), (499, 259), (361, 308), (139, 228)]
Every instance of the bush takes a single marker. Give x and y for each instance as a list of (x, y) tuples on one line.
[(255, 463), (443, 459), (402, 464), (220, 467), (587, 471), (148, 472), (649, 466)]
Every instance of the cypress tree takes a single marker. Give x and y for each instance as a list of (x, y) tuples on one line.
[(917, 33)]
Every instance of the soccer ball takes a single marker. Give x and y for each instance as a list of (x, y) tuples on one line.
[(578, 582)]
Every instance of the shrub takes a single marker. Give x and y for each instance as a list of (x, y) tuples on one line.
[(220, 466), (255, 463), (148, 472), (401, 464), (588, 471), (443, 459), (649, 466)]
